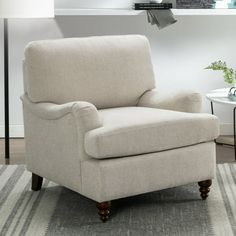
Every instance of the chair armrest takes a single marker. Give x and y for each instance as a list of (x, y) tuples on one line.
[(84, 111), (185, 101)]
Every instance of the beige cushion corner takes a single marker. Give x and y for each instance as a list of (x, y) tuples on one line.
[(139, 130)]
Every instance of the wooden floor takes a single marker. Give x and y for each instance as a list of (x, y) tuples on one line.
[(224, 154), (17, 147)]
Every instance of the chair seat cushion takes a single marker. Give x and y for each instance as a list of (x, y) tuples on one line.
[(138, 130)]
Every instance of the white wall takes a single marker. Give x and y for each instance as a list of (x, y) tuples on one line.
[(180, 52)]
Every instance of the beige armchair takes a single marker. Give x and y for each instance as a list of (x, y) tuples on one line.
[(95, 124)]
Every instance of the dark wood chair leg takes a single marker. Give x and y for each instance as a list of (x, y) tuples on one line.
[(36, 182), (204, 188), (104, 210)]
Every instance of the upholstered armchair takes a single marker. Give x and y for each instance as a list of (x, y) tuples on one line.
[(95, 124)]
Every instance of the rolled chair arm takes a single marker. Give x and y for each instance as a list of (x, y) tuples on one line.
[(184, 101), (85, 112)]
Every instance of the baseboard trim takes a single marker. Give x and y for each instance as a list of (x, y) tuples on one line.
[(17, 131)]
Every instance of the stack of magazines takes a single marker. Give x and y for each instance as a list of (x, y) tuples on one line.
[(151, 6)]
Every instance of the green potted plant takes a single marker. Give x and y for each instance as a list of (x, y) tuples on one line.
[(229, 76)]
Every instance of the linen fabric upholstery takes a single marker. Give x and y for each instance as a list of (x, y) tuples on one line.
[(52, 149), (54, 137), (94, 123), (50, 111), (186, 101), (138, 130), (109, 179), (106, 71)]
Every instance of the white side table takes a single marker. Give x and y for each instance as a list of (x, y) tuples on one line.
[(220, 96)]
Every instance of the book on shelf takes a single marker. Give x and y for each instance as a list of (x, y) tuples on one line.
[(151, 6)]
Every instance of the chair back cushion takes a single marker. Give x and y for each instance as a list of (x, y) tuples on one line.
[(108, 71)]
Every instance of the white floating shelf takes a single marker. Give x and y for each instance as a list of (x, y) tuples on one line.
[(204, 12), (127, 12), (97, 12)]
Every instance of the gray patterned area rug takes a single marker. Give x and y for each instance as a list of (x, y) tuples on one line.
[(58, 211)]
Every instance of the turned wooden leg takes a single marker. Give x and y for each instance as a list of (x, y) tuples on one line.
[(36, 182), (204, 188), (104, 210)]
